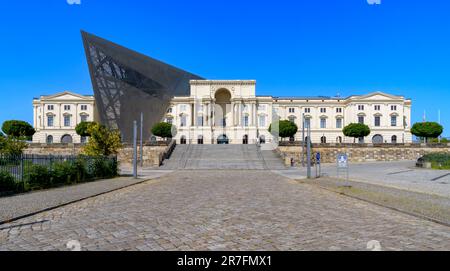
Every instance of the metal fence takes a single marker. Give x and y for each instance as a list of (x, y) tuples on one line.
[(18, 166)]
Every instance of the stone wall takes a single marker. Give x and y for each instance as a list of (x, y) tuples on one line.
[(364, 152), (153, 155)]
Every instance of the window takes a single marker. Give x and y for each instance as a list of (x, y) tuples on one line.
[(50, 107), (323, 140), (169, 120), (394, 121), (245, 121), (339, 110), (67, 121), (183, 107), (292, 119), (84, 107), (291, 110), (83, 140), (170, 110), (323, 123), (245, 107), (262, 121), (183, 121), (84, 118), (339, 139), (361, 119), (67, 108), (307, 123), (377, 121), (200, 121), (50, 121), (307, 110), (339, 123), (393, 107), (323, 110), (49, 139), (361, 107), (377, 107)]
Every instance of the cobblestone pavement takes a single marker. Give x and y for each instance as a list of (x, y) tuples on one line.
[(223, 210)]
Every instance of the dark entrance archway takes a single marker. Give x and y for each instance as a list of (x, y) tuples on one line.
[(222, 140), (200, 140), (245, 140)]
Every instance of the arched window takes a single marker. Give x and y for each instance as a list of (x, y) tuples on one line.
[(394, 139), (323, 140), (292, 119), (339, 139), (183, 121), (377, 139), (49, 139), (66, 139), (83, 140), (292, 139)]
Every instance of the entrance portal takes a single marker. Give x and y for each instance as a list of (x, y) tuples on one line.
[(223, 139)]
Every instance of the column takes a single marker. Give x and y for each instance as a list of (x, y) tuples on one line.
[(232, 114)]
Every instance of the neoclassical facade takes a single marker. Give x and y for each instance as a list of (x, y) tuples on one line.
[(229, 112), (56, 116)]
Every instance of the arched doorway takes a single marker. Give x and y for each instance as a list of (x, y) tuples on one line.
[(245, 140), (66, 139), (262, 140), (323, 140), (183, 140), (223, 139), (377, 139), (394, 139), (222, 107), (200, 140)]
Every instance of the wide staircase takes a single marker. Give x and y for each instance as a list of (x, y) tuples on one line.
[(203, 157)]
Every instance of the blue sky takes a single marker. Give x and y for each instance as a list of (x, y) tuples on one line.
[(314, 47)]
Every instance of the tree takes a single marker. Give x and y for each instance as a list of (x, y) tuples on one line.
[(164, 130), (18, 128), (82, 128), (286, 128), (103, 141), (427, 130), (12, 145), (356, 130)]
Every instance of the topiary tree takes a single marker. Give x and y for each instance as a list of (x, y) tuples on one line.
[(285, 128), (18, 128), (356, 130), (103, 141), (82, 128), (164, 130), (427, 130)]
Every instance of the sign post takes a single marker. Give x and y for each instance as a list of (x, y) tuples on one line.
[(318, 165), (342, 165)]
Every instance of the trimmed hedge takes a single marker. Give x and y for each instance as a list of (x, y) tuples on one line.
[(70, 172), (438, 160)]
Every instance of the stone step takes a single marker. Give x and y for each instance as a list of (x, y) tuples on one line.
[(222, 157)]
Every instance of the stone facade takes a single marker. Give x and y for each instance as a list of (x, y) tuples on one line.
[(56, 116), (153, 154), (229, 111), (364, 152)]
